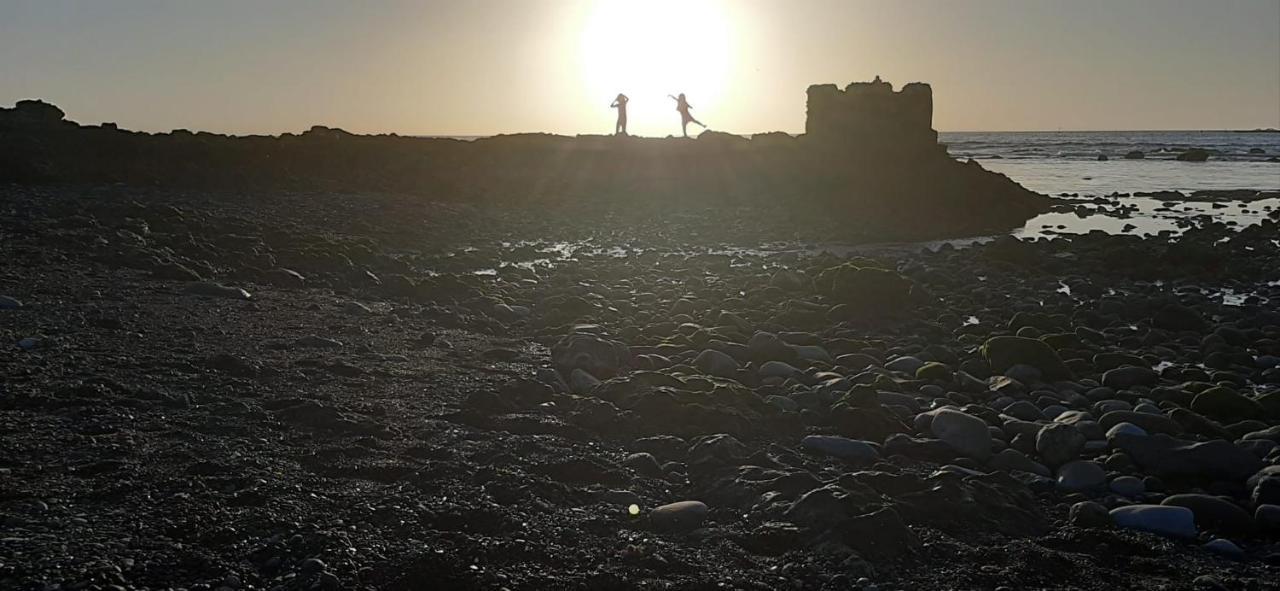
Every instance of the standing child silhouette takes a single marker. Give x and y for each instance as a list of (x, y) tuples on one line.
[(620, 104), (682, 106)]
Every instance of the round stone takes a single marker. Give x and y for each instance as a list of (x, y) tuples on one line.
[(679, 516), (841, 447), (1089, 514), (1081, 475), (1164, 520), (1226, 548), (1128, 486)]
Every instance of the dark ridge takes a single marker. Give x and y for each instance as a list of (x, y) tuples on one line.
[(869, 156)]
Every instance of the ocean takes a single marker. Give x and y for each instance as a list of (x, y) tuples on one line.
[(1065, 163), (1061, 162)]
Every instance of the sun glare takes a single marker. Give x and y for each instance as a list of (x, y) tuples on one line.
[(648, 49)]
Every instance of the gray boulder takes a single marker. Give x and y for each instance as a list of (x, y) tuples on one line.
[(598, 356), (1172, 522), (841, 447), (1059, 443), (1081, 475), (966, 433), (1166, 456), (1011, 460), (716, 363), (1129, 376), (1005, 352), (679, 516), (1147, 422), (1214, 514)]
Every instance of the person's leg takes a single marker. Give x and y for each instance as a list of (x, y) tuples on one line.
[(684, 127)]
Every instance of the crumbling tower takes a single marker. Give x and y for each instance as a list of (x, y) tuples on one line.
[(872, 115)]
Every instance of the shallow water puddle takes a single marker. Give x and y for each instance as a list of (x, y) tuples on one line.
[(1143, 216)]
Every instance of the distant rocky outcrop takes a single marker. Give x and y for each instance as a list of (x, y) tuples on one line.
[(869, 154), (31, 114), (1194, 155)]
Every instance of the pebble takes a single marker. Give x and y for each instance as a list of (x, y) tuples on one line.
[(1165, 456), (679, 516), (1026, 374), (1024, 410), (1208, 583), (620, 497), (1089, 514), (1010, 459), (317, 342), (813, 353), (1268, 518), (356, 308), (1123, 378), (329, 582), (716, 363), (778, 369), (1081, 475), (581, 382), (217, 290), (1059, 443), (1129, 428), (311, 565), (966, 433), (934, 371), (782, 402), (905, 364), (1225, 548), (841, 447), (1213, 513), (1148, 408), (1128, 486), (1164, 520), (643, 463)]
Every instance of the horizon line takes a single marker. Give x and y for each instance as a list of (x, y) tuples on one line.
[(1264, 129), (1167, 130)]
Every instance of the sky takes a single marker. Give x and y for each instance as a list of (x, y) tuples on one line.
[(481, 67)]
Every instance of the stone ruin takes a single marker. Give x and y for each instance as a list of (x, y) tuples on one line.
[(872, 114)]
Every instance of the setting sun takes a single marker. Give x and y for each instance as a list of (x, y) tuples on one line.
[(648, 50)]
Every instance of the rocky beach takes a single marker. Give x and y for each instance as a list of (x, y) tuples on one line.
[(332, 361)]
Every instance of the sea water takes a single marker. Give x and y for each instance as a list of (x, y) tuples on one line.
[(1066, 163), (1061, 162)]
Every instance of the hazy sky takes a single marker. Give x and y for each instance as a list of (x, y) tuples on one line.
[(493, 66)]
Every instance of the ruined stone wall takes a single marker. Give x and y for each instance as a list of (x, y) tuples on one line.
[(872, 114)]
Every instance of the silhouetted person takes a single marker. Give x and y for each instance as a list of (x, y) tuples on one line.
[(682, 106), (620, 104)]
